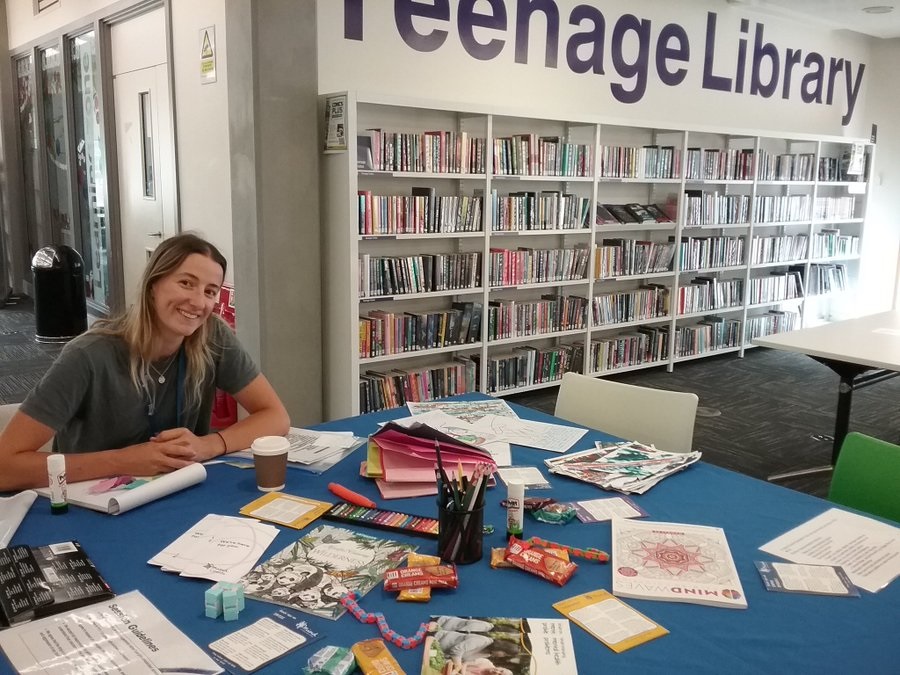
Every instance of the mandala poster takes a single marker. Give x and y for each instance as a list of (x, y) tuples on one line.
[(311, 574), (674, 562)]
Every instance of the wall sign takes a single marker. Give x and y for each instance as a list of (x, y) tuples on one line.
[(207, 55)]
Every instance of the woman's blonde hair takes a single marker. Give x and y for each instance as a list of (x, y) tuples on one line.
[(136, 326)]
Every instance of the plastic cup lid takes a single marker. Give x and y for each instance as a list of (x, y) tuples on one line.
[(270, 445)]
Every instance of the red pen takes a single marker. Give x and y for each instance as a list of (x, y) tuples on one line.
[(351, 496)]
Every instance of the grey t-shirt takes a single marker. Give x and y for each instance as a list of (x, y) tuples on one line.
[(88, 397)]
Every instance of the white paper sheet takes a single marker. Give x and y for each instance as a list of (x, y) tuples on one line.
[(218, 548), (540, 435), (12, 513), (126, 634), (867, 549)]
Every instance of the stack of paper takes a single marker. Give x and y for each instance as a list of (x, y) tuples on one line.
[(218, 548), (315, 451), (629, 467), (403, 460)]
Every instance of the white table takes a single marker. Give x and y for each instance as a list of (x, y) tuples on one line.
[(861, 351)]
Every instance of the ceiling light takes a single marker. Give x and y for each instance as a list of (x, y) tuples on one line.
[(879, 9)]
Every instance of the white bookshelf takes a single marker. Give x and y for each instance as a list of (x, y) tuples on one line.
[(780, 211)]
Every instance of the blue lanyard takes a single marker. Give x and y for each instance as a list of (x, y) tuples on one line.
[(179, 397)]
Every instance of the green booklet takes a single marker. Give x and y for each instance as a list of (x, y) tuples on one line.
[(311, 574)]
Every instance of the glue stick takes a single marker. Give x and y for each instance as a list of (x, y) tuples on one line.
[(515, 508), (56, 472)]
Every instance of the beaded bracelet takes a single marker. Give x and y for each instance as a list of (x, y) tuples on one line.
[(349, 600), (587, 553)]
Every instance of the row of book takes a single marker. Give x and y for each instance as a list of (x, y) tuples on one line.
[(526, 366), (428, 152), (533, 155), (646, 344), (773, 321), (827, 279), (718, 164), (829, 243), (530, 266), (550, 314), (614, 257), (645, 162), (699, 253), (650, 301), (425, 273), (705, 294), (781, 208), (707, 335), (778, 248), (834, 208), (775, 287), (423, 212), (547, 210), (382, 333), (617, 257), (378, 391), (709, 208)]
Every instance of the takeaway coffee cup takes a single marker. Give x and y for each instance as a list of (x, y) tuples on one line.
[(270, 460)]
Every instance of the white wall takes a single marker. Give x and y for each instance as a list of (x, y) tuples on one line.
[(878, 274), (25, 27), (201, 123)]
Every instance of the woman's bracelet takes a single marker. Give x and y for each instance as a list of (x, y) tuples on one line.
[(224, 443)]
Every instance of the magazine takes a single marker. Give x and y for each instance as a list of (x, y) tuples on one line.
[(456, 645), (628, 467), (675, 562), (311, 574)]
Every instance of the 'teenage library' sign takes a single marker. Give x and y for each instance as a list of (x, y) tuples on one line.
[(630, 50)]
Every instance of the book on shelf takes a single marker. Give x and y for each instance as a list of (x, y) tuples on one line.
[(640, 213), (620, 213), (658, 213), (43, 580), (674, 562), (365, 160), (604, 217), (122, 493), (431, 211)]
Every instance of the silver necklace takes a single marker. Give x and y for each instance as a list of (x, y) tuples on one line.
[(161, 374)]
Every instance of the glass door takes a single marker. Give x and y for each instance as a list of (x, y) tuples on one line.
[(28, 141), (55, 147), (90, 165)]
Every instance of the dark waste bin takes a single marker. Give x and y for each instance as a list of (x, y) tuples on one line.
[(60, 307)]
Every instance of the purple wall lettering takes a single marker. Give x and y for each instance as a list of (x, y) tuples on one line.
[(636, 51)]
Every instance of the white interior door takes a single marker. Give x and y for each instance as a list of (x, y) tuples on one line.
[(144, 141)]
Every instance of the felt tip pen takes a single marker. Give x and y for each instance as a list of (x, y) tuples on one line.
[(351, 496)]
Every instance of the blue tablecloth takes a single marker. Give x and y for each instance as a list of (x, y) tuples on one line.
[(785, 633)]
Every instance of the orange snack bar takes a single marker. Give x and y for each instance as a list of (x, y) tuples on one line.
[(422, 593), (435, 576), (373, 658), (537, 561)]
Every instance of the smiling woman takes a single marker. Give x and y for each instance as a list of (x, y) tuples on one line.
[(134, 394)]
